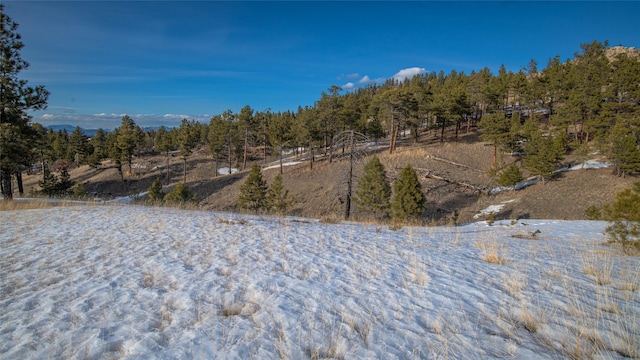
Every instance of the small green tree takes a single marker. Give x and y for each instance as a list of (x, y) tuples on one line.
[(180, 194), (510, 176), (278, 198), (374, 191), (253, 193), (624, 213), (542, 155), (409, 200), (155, 190), (79, 191), (52, 185)]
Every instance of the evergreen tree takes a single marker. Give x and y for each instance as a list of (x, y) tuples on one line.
[(278, 198), (129, 136), (164, 143), (78, 145), (187, 141), (625, 153), (543, 153), (253, 193), (496, 129), (624, 212), (180, 194), (510, 176), (374, 191), (16, 99), (216, 139), (155, 190), (409, 200), (99, 148)]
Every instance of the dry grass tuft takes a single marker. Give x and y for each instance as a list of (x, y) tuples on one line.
[(492, 252)]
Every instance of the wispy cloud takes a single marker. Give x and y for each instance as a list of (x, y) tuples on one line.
[(348, 86)]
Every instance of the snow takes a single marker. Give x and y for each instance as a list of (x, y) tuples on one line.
[(124, 281), (225, 171), (291, 163), (492, 209), (589, 164)]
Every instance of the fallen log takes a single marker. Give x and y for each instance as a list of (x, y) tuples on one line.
[(429, 174)]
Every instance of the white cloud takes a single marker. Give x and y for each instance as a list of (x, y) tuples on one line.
[(353, 76), (408, 73), (365, 80), (348, 85)]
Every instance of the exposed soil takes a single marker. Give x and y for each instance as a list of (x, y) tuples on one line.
[(321, 192)]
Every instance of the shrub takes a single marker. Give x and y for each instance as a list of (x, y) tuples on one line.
[(253, 193), (510, 176), (374, 191), (155, 190), (624, 214), (409, 200), (180, 194), (52, 185), (278, 198), (593, 213)]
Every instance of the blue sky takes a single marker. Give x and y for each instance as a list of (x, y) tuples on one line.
[(160, 61)]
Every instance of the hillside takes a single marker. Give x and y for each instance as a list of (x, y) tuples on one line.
[(319, 193)]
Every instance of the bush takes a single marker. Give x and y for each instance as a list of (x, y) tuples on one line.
[(593, 213), (510, 176), (52, 185), (155, 190), (180, 194), (624, 214), (409, 200), (278, 198), (253, 193), (374, 191)]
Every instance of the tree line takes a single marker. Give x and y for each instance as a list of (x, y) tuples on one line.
[(589, 102)]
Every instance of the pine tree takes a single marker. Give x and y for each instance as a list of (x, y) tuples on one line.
[(624, 212), (155, 190), (542, 155), (624, 150), (278, 198), (253, 193), (16, 99), (496, 129), (409, 200), (374, 191), (510, 176)]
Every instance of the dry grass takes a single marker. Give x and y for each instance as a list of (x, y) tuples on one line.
[(493, 252), (8, 205)]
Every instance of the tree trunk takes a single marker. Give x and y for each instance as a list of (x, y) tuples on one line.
[(347, 211), (244, 158), (495, 156), (19, 182), (7, 192), (444, 123), (280, 158), (168, 178), (184, 177), (312, 155)]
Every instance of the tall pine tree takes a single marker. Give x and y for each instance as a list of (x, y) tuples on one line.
[(16, 98)]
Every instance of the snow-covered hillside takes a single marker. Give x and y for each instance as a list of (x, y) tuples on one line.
[(114, 281)]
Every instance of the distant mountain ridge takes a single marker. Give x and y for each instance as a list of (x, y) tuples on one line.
[(70, 128)]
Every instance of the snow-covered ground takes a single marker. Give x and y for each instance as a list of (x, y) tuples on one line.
[(123, 281)]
